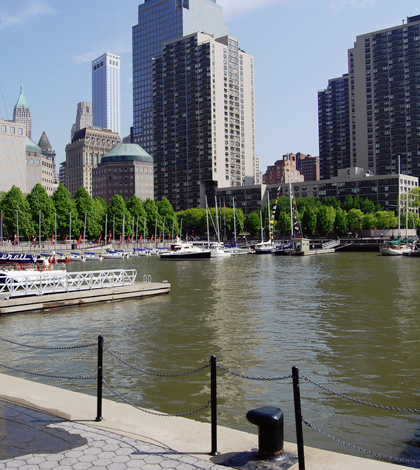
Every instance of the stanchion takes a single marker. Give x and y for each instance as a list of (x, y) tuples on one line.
[(100, 377), (213, 397), (298, 418)]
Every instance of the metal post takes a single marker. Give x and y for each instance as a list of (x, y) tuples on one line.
[(213, 397), (100, 377), (298, 418)]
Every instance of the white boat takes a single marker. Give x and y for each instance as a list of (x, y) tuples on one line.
[(218, 250), (138, 252), (114, 254), (264, 248), (397, 247), (184, 251), (92, 256), (76, 256)]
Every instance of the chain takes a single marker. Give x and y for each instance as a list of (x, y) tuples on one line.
[(266, 379), (157, 413), (155, 373), (49, 347), (359, 449), (361, 402), (46, 375)]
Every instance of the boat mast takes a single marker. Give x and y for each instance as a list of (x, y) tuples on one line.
[(55, 231), (84, 232), (208, 231), (217, 223), (106, 228), (399, 198), (123, 229), (262, 230), (290, 197), (234, 220), (39, 226)]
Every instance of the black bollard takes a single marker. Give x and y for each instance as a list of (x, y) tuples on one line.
[(269, 420)]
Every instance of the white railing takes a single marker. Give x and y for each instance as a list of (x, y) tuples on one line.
[(330, 244), (22, 283)]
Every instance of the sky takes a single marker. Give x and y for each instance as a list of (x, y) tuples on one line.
[(298, 45)]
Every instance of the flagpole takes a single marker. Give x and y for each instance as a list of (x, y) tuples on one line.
[(55, 231), (106, 228)]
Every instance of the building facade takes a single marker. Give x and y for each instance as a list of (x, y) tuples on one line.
[(283, 171), (161, 21), (106, 92), (84, 153), (13, 155), (39, 169), (22, 113), (83, 117), (49, 152), (334, 127), (383, 104), (203, 119), (126, 170)]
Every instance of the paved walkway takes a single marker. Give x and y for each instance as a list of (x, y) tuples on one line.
[(31, 440)]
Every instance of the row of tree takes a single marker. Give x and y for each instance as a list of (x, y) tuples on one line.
[(40, 214)]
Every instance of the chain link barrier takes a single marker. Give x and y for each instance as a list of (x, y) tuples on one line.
[(156, 374), (47, 375), (359, 449), (262, 379), (355, 400), (156, 413), (49, 347)]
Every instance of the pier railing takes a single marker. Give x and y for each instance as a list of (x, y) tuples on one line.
[(296, 375), (24, 283)]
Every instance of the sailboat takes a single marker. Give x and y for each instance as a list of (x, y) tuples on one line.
[(217, 249), (264, 248)]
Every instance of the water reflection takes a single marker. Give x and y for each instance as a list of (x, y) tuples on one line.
[(349, 321)]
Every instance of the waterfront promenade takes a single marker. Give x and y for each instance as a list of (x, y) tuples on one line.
[(44, 427)]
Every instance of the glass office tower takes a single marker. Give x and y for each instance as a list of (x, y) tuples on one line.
[(160, 21)]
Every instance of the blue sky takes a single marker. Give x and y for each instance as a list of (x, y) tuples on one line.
[(297, 44)]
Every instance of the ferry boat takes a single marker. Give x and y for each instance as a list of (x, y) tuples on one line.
[(184, 251)]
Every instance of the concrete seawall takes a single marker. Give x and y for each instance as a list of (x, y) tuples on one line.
[(181, 435)]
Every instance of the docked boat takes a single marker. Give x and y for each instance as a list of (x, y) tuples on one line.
[(184, 251), (264, 248), (397, 247), (61, 258), (217, 250), (113, 254), (74, 256), (17, 258), (138, 252), (92, 256)]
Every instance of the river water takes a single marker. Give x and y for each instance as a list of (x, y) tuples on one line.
[(348, 321)]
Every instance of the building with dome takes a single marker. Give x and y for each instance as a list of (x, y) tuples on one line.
[(39, 168), (127, 170)]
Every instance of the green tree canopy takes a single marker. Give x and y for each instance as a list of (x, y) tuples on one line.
[(253, 223), (168, 216), (16, 211), (386, 219), (340, 223), (137, 211), (122, 215), (87, 211), (309, 220), (325, 220), (153, 219), (39, 200), (66, 212), (354, 218)]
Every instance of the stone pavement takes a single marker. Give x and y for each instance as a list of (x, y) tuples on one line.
[(31, 440)]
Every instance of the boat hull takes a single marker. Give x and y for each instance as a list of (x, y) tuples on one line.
[(186, 256)]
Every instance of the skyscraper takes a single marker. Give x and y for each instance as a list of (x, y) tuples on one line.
[(203, 119), (106, 92), (22, 112), (83, 117), (162, 21), (383, 104)]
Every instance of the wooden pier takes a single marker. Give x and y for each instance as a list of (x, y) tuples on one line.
[(33, 303)]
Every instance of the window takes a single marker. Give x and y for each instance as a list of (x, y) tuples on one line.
[(12, 130)]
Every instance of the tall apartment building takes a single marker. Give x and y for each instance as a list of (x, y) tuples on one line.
[(161, 21), (334, 127), (283, 171), (106, 92), (383, 102), (22, 113), (308, 166), (84, 153), (203, 118), (83, 117)]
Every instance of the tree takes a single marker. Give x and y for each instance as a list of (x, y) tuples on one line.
[(16, 210), (253, 223), (86, 210), (136, 208), (66, 210), (386, 219), (354, 217), (167, 214), (340, 223), (309, 219), (100, 208), (348, 204), (153, 219), (39, 200), (122, 215), (325, 220), (367, 206), (369, 221)]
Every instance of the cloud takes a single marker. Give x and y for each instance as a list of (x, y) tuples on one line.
[(339, 5), (120, 46), (234, 8), (86, 57), (22, 16)]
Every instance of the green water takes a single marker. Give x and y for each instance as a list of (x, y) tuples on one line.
[(350, 322)]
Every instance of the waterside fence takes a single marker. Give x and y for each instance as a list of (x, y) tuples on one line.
[(214, 368)]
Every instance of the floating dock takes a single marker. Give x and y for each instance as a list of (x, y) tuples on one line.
[(48, 290)]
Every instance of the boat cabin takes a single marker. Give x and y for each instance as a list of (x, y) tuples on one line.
[(300, 244)]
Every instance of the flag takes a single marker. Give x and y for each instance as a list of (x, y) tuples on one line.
[(80, 239), (160, 236), (65, 241), (141, 237), (34, 239), (128, 239), (100, 238), (14, 243), (120, 239), (169, 236), (52, 239), (109, 237), (151, 238)]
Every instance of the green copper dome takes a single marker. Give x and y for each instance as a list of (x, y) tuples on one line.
[(127, 153), (32, 147), (21, 102)]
